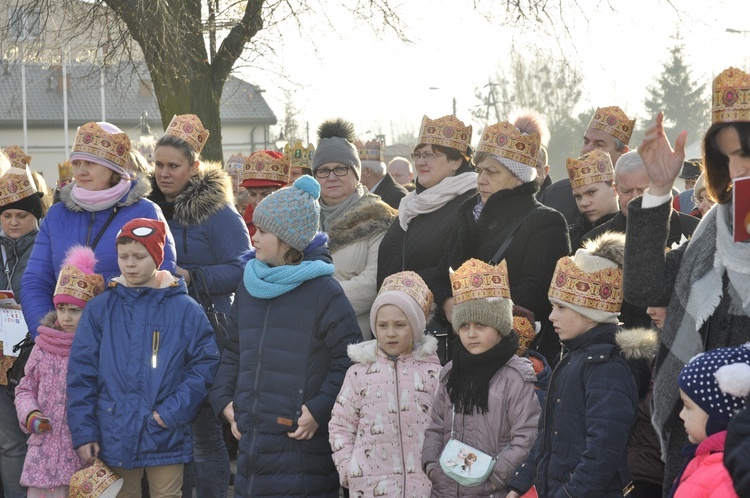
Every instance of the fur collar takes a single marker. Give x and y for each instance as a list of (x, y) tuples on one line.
[(368, 217), (50, 320), (207, 193), (367, 352), (164, 279), (638, 344), (140, 190)]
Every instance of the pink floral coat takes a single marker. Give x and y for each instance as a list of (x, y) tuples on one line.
[(51, 460), (379, 419)]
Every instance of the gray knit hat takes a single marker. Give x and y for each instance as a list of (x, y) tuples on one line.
[(336, 146), (292, 214)]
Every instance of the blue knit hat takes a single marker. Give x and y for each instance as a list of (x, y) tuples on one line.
[(292, 214)]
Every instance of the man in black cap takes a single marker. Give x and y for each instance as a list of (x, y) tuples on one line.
[(684, 202)]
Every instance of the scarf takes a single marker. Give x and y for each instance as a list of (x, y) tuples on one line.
[(99, 200), (267, 282), (697, 292), (432, 199), (469, 380), (329, 214), (57, 342)]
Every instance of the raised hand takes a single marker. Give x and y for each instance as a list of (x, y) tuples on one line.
[(663, 164)]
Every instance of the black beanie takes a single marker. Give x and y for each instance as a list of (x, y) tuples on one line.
[(31, 204)]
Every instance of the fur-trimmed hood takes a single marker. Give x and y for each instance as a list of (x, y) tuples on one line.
[(49, 320), (370, 216), (206, 193), (140, 190), (638, 343), (367, 352)]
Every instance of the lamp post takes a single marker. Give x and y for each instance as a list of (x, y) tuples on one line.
[(281, 142)]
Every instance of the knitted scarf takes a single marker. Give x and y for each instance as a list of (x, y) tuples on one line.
[(267, 282), (697, 292), (57, 342), (329, 214), (469, 380), (432, 199), (99, 200)]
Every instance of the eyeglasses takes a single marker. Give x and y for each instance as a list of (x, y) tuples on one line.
[(429, 156), (338, 171)]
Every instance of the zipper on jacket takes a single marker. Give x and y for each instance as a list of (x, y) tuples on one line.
[(255, 389), (184, 243), (88, 232), (400, 433)]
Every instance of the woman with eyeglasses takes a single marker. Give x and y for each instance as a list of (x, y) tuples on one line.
[(702, 200), (354, 219), (427, 216)]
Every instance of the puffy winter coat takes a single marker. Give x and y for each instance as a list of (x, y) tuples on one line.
[(379, 419), (705, 476), (508, 429), (210, 236), (67, 224), (51, 460), (737, 451), (283, 353), (113, 386), (588, 414), (354, 240)]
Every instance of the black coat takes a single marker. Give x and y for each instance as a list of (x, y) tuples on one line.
[(559, 196), (737, 452), (389, 191), (582, 226)]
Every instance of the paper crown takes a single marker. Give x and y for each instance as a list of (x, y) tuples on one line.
[(17, 156), (78, 285), (731, 97), (593, 167), (504, 140), (448, 131), (235, 161), (478, 280), (613, 120), (95, 143), (300, 156), (599, 290), (64, 173), (95, 481), (412, 284), (262, 167), (523, 324), (188, 127), (16, 184), (372, 150)]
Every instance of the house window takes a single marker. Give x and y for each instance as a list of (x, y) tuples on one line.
[(24, 24)]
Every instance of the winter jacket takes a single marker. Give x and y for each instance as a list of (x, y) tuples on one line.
[(210, 236), (113, 386), (67, 224), (684, 201), (283, 353), (508, 429), (50, 460), (541, 240), (389, 191), (381, 415), (17, 254), (737, 451), (705, 476), (354, 240), (559, 196), (588, 414), (582, 226)]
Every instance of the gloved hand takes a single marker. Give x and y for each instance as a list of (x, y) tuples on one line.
[(37, 423)]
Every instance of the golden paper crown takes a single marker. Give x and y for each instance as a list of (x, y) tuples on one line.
[(17, 156), (600, 290), (613, 120), (372, 150), (83, 286), (16, 184), (526, 333), (593, 167), (262, 166), (93, 481), (189, 128), (95, 143), (235, 161), (478, 280), (448, 131), (300, 156), (64, 172), (504, 140), (731, 97), (412, 284)]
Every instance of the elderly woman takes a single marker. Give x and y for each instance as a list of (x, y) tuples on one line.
[(505, 221), (211, 238), (705, 281), (91, 212), (703, 201), (20, 211), (354, 219)]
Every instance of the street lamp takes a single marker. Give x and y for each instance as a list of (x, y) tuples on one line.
[(147, 139), (281, 141)]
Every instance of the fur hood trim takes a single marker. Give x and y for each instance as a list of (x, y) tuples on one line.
[(370, 216), (165, 279), (638, 344), (367, 352), (49, 320), (208, 192), (610, 246), (141, 190)]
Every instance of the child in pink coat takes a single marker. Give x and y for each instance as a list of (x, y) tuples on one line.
[(40, 396), (378, 421), (713, 388)]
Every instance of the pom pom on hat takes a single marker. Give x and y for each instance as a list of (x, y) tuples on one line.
[(734, 379), (309, 185), (336, 146), (292, 214)]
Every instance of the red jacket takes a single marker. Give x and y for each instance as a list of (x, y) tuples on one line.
[(705, 475)]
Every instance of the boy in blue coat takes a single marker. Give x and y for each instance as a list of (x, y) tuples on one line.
[(141, 363)]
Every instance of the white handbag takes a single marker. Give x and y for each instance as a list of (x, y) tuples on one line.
[(463, 463)]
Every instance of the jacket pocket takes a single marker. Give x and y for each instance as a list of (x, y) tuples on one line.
[(105, 414), (157, 439)]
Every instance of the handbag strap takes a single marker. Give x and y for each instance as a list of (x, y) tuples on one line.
[(200, 287), (500, 252), (104, 228)]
